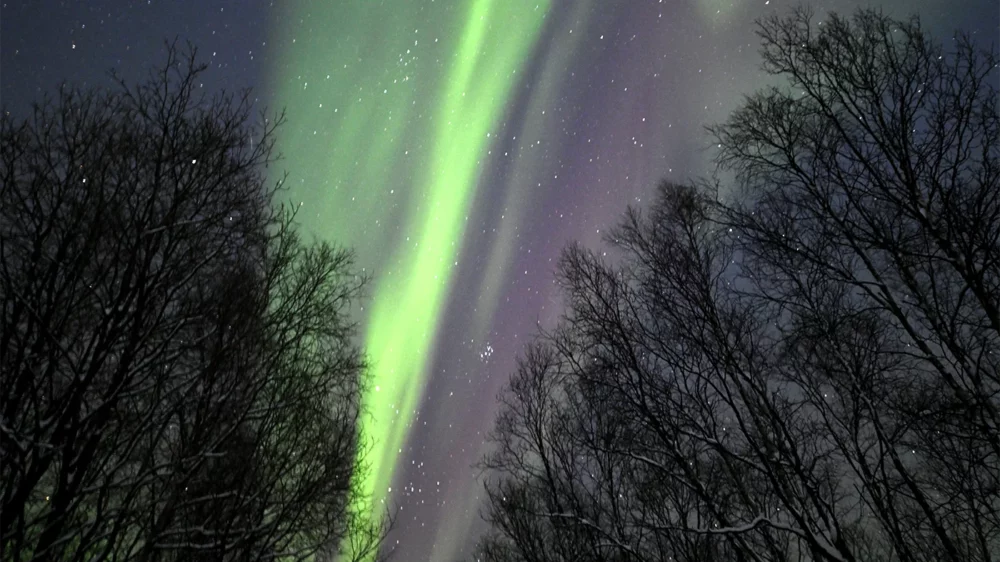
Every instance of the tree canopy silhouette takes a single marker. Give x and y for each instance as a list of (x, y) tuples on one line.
[(806, 370), (178, 373)]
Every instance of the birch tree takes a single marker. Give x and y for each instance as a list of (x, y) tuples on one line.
[(178, 373), (805, 369)]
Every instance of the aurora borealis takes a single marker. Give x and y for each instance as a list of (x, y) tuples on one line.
[(440, 178), (457, 146), (455, 142)]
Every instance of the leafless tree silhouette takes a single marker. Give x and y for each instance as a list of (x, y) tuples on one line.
[(179, 379), (806, 370)]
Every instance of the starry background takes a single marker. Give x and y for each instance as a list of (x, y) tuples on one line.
[(457, 145)]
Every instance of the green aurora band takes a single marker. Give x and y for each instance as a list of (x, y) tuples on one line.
[(390, 110), (411, 92)]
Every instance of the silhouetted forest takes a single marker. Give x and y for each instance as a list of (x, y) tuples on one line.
[(179, 373), (801, 366)]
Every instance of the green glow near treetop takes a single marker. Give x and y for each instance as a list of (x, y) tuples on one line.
[(410, 93)]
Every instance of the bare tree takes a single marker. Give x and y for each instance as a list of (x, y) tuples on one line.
[(178, 378), (808, 370)]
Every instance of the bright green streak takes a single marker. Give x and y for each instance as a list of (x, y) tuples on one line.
[(465, 113), (388, 150)]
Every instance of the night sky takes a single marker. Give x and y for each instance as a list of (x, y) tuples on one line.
[(457, 145)]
